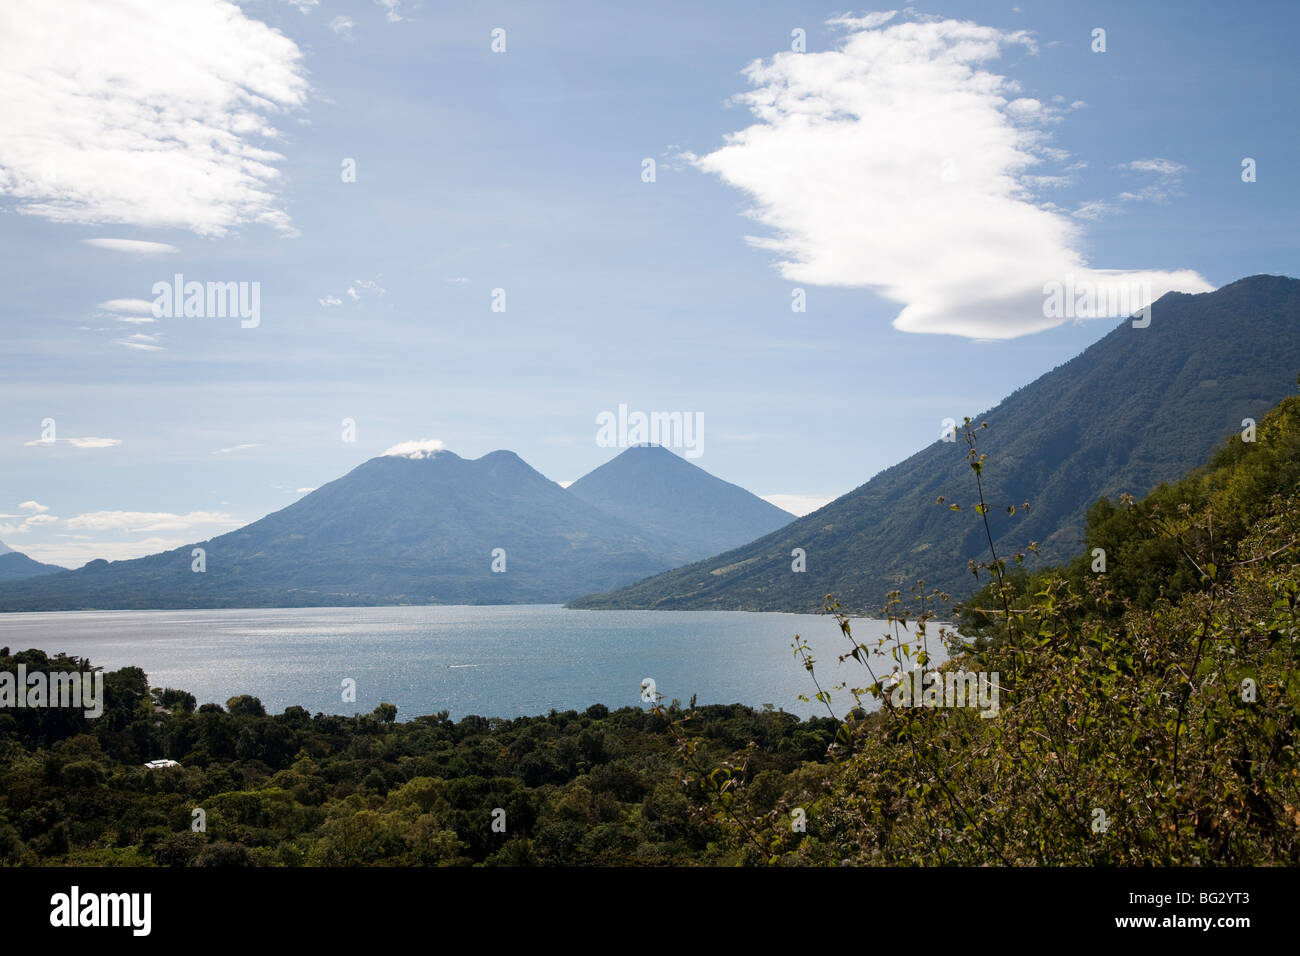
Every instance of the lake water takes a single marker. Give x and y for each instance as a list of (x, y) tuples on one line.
[(498, 661)]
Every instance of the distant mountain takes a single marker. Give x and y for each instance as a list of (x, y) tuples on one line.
[(677, 503), (1139, 407), (16, 566), (393, 530)]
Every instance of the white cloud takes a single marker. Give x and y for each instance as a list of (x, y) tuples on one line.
[(391, 6), (79, 442), (797, 505), (132, 342), (1025, 108), (899, 162), (76, 552), (147, 520), (305, 5), (1165, 167), (1092, 210), (420, 448), (359, 289), (305, 491), (341, 26), (33, 520), (365, 286), (127, 305), (135, 247), (148, 114), (867, 21), (227, 451), (136, 319), (1168, 182)]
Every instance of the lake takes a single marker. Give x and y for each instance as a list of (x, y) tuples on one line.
[(495, 661)]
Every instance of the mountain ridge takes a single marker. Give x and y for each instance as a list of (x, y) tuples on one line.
[(428, 527), (1121, 416), (16, 566), (693, 512)]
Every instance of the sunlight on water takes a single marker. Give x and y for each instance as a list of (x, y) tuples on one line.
[(497, 661)]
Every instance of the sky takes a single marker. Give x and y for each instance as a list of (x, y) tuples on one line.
[(817, 233)]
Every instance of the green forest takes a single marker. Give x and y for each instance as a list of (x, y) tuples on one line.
[(1147, 717)]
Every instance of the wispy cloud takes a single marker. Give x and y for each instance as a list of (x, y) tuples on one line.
[(135, 247), (899, 162), (102, 128), (362, 287), (358, 290), (77, 442), (142, 343), (147, 520), (1163, 167), (1167, 183), (127, 305), (227, 451), (391, 6)]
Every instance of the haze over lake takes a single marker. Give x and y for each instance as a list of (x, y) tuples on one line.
[(495, 661)]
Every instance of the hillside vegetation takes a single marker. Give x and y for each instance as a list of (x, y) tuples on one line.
[(1147, 705)]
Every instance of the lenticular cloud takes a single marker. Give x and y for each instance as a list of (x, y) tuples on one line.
[(899, 162)]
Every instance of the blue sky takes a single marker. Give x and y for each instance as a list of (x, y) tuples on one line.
[(919, 176)]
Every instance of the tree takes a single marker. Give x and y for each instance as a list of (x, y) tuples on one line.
[(245, 706)]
